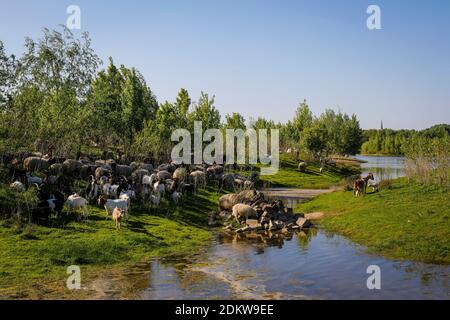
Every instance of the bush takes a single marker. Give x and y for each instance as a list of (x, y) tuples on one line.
[(15, 204), (428, 161)]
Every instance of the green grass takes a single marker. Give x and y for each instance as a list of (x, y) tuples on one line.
[(289, 176), (404, 221), (33, 256), (36, 255)]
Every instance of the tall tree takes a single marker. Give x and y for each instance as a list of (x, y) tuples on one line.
[(58, 59), (206, 112), (181, 108)]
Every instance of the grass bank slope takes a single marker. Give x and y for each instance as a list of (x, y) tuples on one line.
[(404, 221), (35, 258), (289, 176)]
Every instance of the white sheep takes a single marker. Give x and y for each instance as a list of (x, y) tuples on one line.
[(243, 210)]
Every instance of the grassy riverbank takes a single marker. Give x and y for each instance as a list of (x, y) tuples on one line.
[(34, 259), (289, 176), (404, 221)]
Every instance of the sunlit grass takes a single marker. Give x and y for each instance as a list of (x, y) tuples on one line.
[(403, 221)]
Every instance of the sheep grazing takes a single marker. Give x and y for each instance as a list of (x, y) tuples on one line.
[(226, 202), (180, 174), (248, 184), (163, 175), (243, 210), (117, 215), (18, 186), (302, 166), (227, 181), (71, 167), (102, 172), (139, 165), (169, 167), (123, 170), (55, 169), (198, 178), (35, 164), (215, 171), (75, 202)]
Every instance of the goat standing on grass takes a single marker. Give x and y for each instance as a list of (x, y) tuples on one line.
[(111, 204), (360, 185), (75, 202), (117, 215)]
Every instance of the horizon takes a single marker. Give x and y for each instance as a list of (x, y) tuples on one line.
[(257, 63)]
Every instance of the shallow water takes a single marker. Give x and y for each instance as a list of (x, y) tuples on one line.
[(383, 167), (313, 265)]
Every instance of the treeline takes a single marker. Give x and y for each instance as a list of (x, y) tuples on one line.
[(330, 133), (396, 142), (54, 99)]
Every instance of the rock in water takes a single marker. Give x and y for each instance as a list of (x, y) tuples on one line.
[(303, 223)]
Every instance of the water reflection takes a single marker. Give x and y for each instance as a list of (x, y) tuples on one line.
[(313, 264), (383, 167)]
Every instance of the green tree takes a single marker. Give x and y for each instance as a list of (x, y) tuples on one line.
[(235, 121), (8, 67), (181, 108), (138, 103), (206, 112)]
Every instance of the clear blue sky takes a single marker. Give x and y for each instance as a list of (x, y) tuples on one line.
[(261, 58)]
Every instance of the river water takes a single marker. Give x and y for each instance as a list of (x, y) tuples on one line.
[(383, 167), (312, 265)]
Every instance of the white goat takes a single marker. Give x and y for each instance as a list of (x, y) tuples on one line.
[(75, 202), (31, 179), (18, 186), (149, 180), (110, 204)]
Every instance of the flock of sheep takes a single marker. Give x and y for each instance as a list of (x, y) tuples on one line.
[(252, 212), (114, 186)]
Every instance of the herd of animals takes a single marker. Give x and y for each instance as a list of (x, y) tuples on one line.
[(113, 185)]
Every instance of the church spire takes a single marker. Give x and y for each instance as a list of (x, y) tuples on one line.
[(381, 124)]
